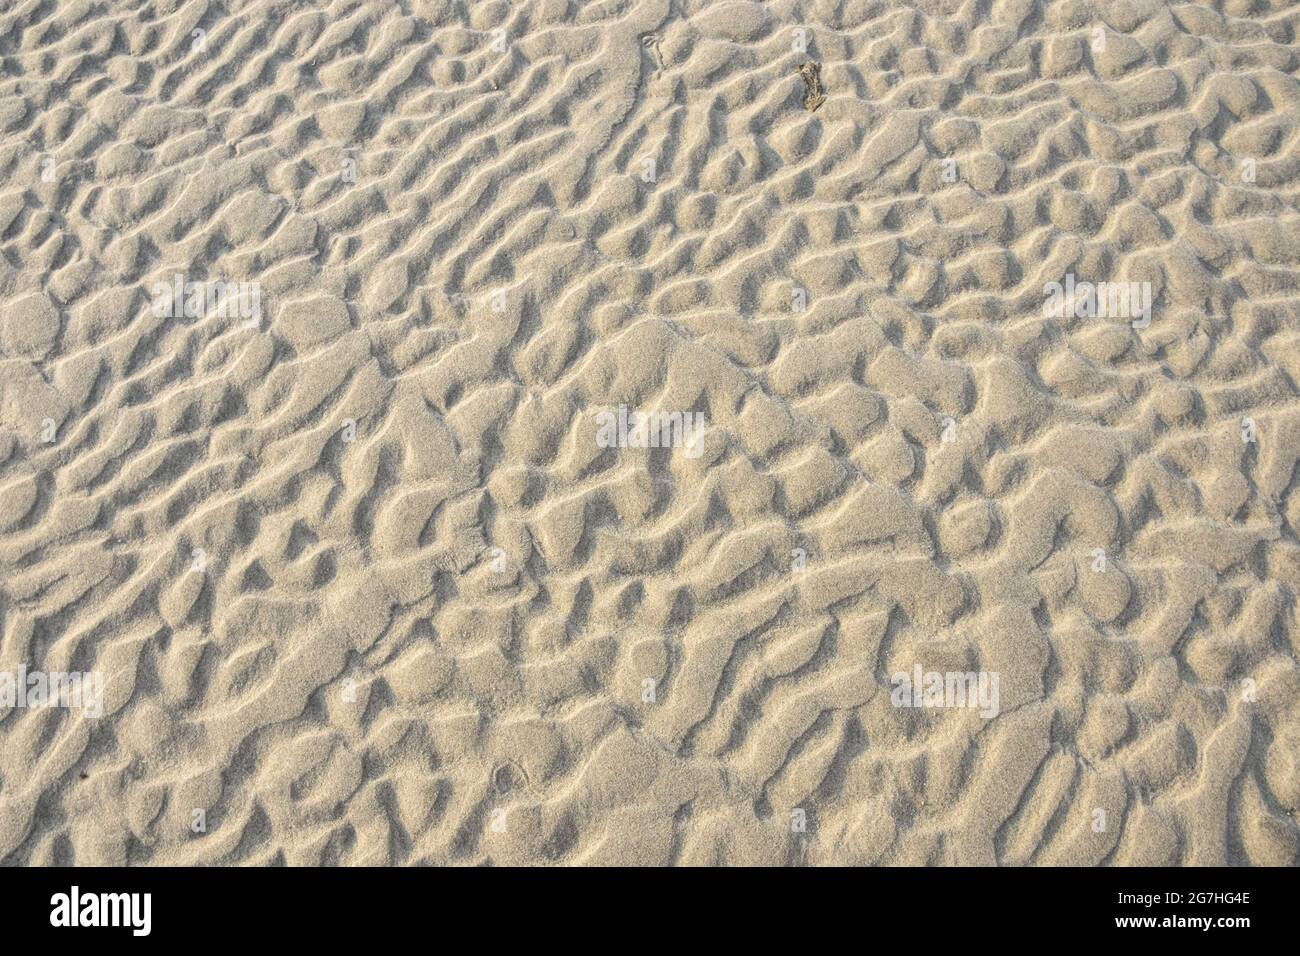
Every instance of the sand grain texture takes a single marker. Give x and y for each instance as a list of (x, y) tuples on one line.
[(358, 676)]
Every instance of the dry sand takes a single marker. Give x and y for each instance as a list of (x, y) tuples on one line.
[(364, 586)]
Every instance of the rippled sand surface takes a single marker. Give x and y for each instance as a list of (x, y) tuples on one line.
[(363, 583)]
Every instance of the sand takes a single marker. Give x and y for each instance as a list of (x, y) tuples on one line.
[(366, 582)]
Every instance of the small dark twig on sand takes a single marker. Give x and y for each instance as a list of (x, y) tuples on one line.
[(813, 96)]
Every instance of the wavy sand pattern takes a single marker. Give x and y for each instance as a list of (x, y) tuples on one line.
[(463, 254)]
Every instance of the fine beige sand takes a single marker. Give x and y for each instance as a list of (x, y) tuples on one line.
[(365, 586)]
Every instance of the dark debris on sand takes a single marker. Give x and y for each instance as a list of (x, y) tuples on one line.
[(813, 96)]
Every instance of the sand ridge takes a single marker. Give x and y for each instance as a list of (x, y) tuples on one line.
[(364, 585)]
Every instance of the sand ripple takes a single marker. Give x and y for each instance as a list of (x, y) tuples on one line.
[(463, 254)]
